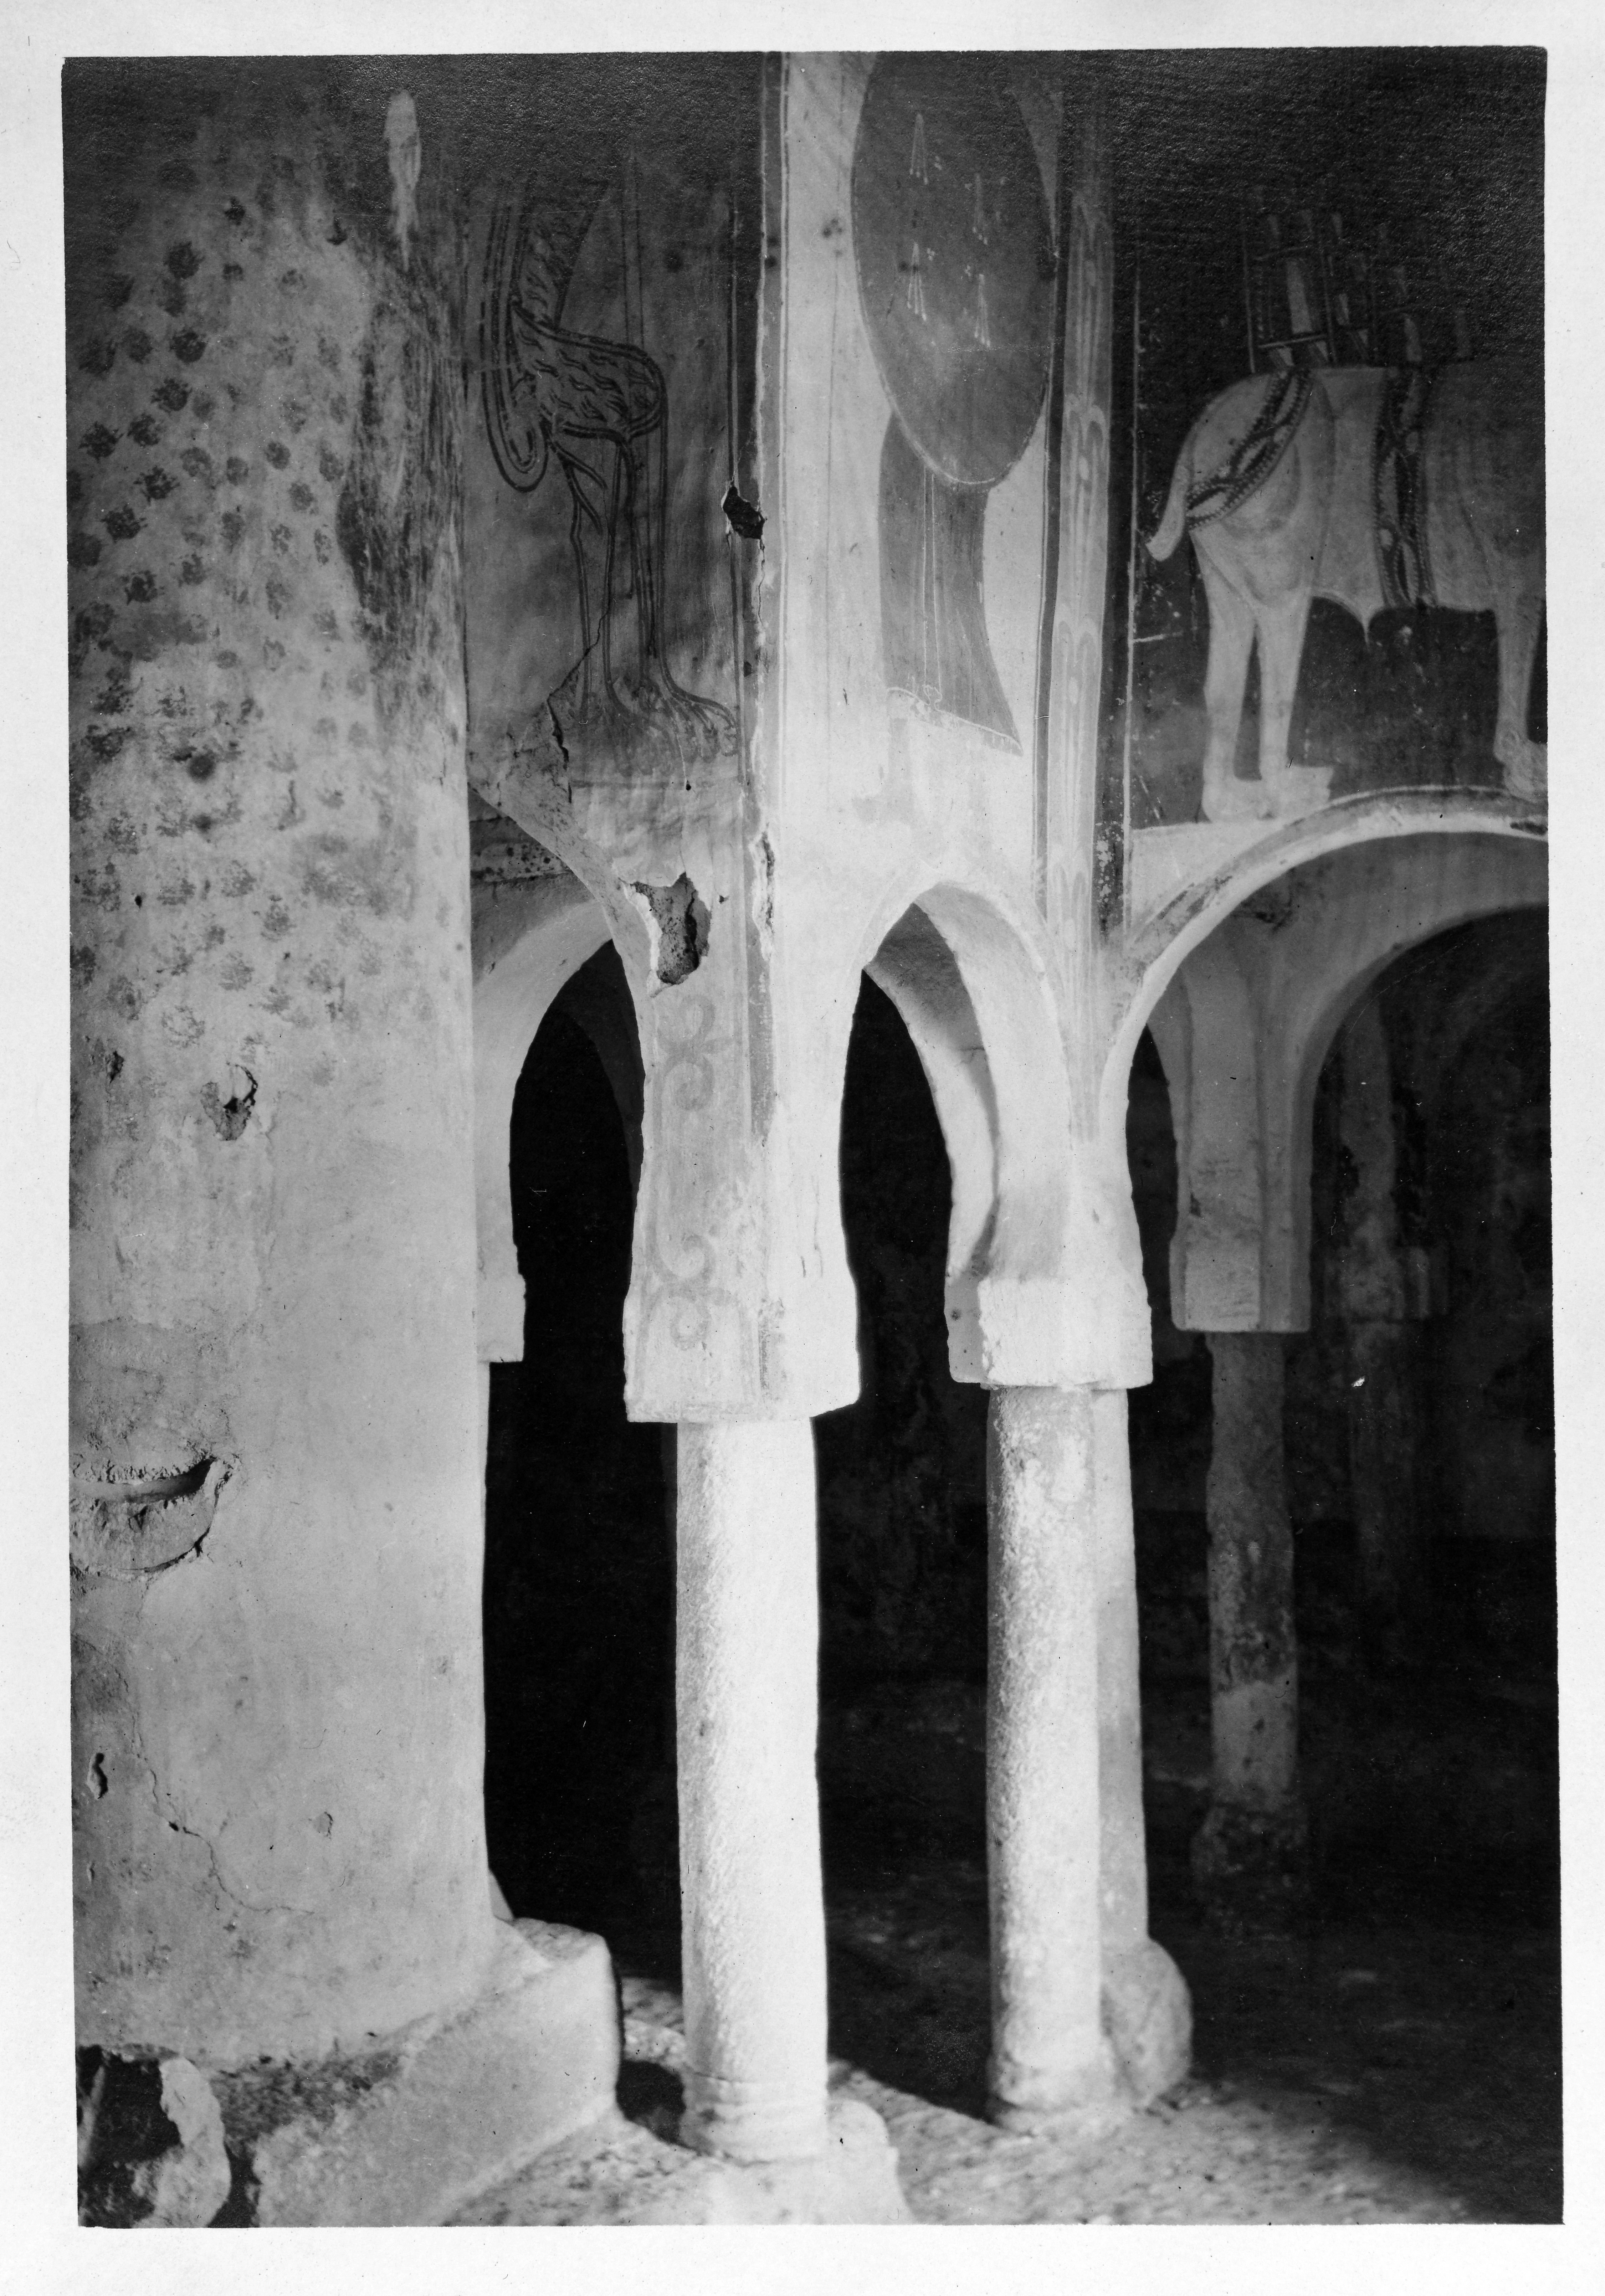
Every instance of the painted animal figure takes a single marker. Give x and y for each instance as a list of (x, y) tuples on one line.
[(1375, 488)]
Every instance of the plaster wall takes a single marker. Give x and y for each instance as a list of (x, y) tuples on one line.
[(277, 1703)]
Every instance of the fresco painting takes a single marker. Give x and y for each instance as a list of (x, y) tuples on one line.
[(603, 440), (955, 251), (1329, 482), (1379, 489)]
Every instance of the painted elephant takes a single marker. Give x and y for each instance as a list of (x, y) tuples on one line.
[(1377, 488)]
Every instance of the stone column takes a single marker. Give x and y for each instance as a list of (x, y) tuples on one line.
[(1249, 1858), (1147, 2013), (1384, 1437), (1049, 2057), (752, 1907), (278, 1705), (1380, 1285)]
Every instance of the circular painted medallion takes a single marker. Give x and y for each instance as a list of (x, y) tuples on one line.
[(954, 249)]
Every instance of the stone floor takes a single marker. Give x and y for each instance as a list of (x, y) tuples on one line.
[(1396, 2062), (1210, 2154)]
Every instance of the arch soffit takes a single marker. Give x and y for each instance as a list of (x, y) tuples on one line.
[(1508, 870), (544, 931), (915, 969), (546, 818), (1311, 1030), (1344, 961), (529, 946), (1505, 973), (975, 990)]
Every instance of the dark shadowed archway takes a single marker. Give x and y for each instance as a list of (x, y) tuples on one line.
[(579, 1568), (903, 1612), (1419, 2004)]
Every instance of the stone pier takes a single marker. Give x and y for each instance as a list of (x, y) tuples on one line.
[(753, 1904), (1382, 1289), (1250, 1859), (1384, 1469), (1050, 2058), (1147, 2012), (276, 1513)]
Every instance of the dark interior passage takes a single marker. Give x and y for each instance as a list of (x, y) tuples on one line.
[(902, 1472), (579, 1568), (1422, 1997), (903, 1609), (1417, 2007)]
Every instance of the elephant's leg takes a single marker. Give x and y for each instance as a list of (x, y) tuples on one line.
[(1231, 636), (1289, 789), (1526, 763)]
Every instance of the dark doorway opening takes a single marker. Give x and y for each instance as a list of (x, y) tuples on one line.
[(1419, 2005), (903, 1610), (579, 1566)]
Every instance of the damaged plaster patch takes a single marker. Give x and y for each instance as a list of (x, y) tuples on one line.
[(229, 1116), (744, 520), (279, 2116), (128, 1526), (677, 921), (151, 2142)]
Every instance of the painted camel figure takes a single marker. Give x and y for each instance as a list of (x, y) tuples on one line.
[(1375, 488)]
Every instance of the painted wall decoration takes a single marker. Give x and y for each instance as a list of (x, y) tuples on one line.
[(560, 400), (955, 251), (1379, 489), (609, 394), (1328, 342), (1076, 542)]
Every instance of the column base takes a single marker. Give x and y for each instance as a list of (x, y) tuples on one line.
[(1251, 1869), (1088, 2103), (852, 2179), (1147, 2017), (751, 2122), (440, 2111)]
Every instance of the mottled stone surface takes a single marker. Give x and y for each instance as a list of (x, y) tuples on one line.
[(1049, 2053), (752, 1915), (1248, 1859), (278, 1731)]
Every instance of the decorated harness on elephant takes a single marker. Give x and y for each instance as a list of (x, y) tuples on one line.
[(1399, 489), (1256, 453)]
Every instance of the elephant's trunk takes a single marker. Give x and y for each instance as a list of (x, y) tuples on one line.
[(1173, 524)]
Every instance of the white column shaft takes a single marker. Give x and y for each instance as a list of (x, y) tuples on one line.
[(747, 1703), (1043, 1753)]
